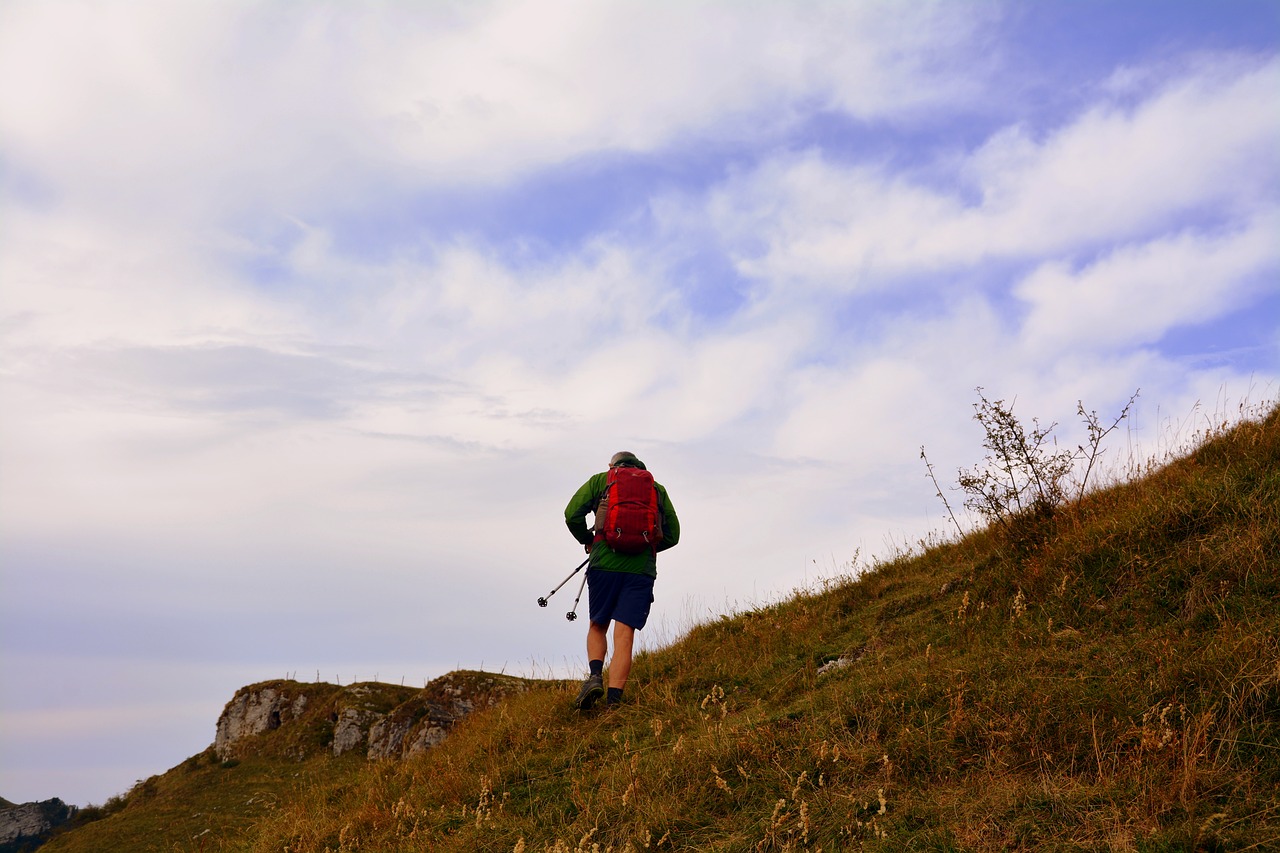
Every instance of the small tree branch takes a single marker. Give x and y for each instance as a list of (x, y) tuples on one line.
[(929, 467)]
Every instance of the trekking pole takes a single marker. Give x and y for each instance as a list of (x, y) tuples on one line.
[(573, 614), (542, 602)]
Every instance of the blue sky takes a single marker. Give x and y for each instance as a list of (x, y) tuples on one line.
[(313, 316)]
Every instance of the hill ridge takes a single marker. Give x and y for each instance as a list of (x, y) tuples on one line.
[(1114, 684)]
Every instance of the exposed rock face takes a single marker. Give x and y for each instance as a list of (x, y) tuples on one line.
[(380, 721), (24, 827), (351, 731), (386, 737), (252, 712), (425, 720)]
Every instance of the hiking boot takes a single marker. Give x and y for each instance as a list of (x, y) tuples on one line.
[(592, 689)]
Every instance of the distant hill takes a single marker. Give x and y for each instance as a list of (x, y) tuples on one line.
[(1111, 682)]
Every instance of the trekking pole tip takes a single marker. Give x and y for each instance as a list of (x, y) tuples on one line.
[(542, 602), (571, 616)]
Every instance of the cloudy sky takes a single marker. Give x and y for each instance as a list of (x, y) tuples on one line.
[(314, 315)]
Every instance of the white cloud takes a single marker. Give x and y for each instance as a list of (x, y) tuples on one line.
[(522, 84), (73, 280), (218, 108), (1137, 293), (1203, 143), (1205, 140)]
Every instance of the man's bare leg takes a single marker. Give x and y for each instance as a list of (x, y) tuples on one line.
[(597, 647), (597, 641), (620, 667)]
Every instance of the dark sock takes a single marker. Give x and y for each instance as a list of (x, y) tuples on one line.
[(615, 695), (597, 667)]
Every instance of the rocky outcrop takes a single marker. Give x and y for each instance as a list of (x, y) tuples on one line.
[(25, 827), (253, 711), (351, 731), (425, 720), (380, 721)]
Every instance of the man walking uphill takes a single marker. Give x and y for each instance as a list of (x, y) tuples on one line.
[(634, 520)]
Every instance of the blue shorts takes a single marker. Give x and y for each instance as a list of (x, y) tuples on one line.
[(623, 596)]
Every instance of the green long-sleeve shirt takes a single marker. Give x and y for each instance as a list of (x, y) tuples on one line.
[(587, 498)]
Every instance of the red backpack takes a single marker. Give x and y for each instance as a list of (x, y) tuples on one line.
[(629, 519)]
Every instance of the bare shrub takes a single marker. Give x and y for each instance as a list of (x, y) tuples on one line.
[(1025, 475)]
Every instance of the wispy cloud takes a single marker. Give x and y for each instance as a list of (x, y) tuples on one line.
[(1138, 292), (1197, 147)]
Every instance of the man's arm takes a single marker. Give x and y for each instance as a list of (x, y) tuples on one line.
[(583, 501), (670, 523)]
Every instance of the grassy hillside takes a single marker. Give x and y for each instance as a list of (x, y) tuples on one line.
[(202, 804), (1108, 681)]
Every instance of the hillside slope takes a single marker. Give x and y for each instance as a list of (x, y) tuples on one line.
[(1112, 682)]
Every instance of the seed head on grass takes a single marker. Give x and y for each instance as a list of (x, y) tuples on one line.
[(795, 791), (484, 808), (715, 699)]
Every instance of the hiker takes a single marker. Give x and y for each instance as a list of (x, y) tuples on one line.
[(634, 520)]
